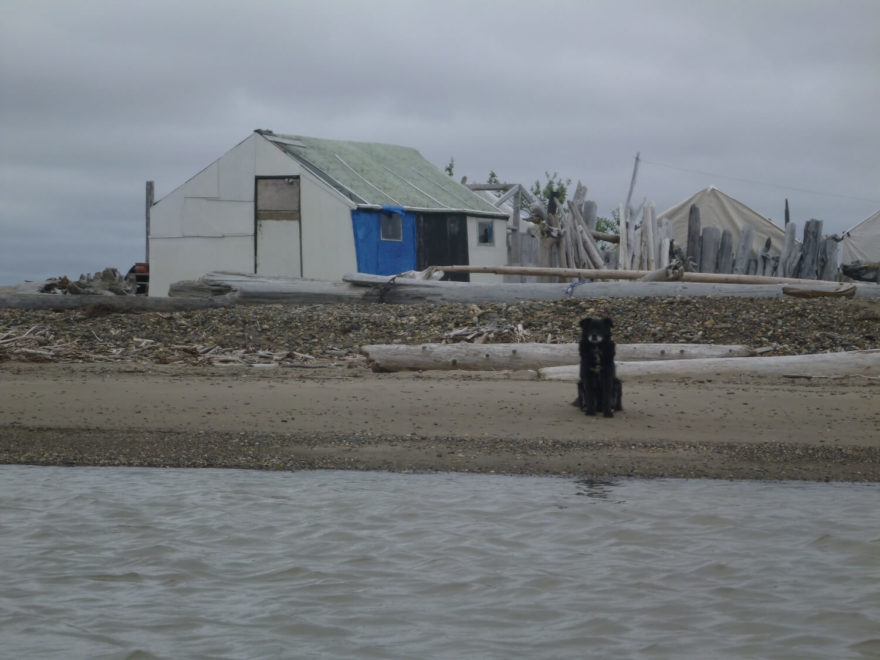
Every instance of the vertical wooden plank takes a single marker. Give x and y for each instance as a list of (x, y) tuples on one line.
[(764, 264), (743, 248), (828, 259), (693, 239), (648, 225), (809, 263), (711, 241), (752, 262), (622, 246), (590, 213), (150, 195), (516, 244), (788, 258), (725, 252), (635, 243)]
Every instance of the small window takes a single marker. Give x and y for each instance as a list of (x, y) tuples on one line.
[(485, 232), (392, 227)]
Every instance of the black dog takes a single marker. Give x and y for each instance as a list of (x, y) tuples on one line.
[(598, 387)]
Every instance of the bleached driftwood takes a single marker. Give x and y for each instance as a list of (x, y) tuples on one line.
[(843, 291), (822, 365), (412, 291), (649, 224), (511, 357), (692, 253), (361, 287), (256, 289), (586, 273), (670, 273), (789, 256), (741, 258)]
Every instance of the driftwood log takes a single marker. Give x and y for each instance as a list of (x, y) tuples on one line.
[(823, 365), (257, 289), (672, 272), (585, 273), (512, 357), (843, 291)]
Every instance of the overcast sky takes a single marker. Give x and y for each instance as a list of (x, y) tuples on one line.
[(764, 99)]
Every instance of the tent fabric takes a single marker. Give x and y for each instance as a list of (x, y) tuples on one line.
[(720, 210), (862, 242)]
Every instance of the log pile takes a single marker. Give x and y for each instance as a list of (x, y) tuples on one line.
[(568, 234), (634, 361), (568, 239)]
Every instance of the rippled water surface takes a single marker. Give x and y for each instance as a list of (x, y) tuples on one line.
[(141, 563)]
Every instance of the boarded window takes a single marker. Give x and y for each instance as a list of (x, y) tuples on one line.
[(486, 232), (278, 199), (392, 227)]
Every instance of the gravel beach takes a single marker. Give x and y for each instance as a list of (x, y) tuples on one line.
[(284, 387)]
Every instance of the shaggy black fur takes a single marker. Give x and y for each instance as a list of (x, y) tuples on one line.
[(598, 387)]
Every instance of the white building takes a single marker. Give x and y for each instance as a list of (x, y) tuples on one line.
[(304, 207)]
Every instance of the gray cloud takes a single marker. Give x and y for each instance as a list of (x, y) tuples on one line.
[(765, 99)]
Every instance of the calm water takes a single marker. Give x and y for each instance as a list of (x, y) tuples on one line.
[(143, 563)]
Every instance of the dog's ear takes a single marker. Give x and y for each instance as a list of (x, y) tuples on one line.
[(585, 323), (608, 322)]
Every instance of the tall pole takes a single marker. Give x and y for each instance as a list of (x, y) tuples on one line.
[(150, 192), (632, 183)]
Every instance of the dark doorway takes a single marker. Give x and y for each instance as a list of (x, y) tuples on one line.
[(441, 240)]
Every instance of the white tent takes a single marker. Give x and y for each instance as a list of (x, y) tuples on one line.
[(862, 242), (720, 210)]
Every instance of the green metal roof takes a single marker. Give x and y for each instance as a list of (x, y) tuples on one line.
[(374, 174)]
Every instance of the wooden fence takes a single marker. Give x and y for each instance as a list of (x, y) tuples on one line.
[(566, 237)]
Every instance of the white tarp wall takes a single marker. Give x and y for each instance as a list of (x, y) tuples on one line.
[(720, 210), (862, 242), (207, 223)]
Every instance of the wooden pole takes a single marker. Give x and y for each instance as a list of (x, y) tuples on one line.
[(590, 212), (632, 182), (809, 266), (622, 251), (150, 194), (725, 252), (648, 224), (743, 249), (516, 243), (709, 244), (693, 238), (789, 256)]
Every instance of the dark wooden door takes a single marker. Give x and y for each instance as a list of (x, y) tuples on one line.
[(441, 240)]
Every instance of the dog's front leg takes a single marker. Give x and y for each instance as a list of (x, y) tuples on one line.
[(608, 397), (590, 387)]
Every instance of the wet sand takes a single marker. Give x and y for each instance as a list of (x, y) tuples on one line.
[(288, 419)]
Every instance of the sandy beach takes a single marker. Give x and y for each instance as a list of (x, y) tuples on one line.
[(352, 418)]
